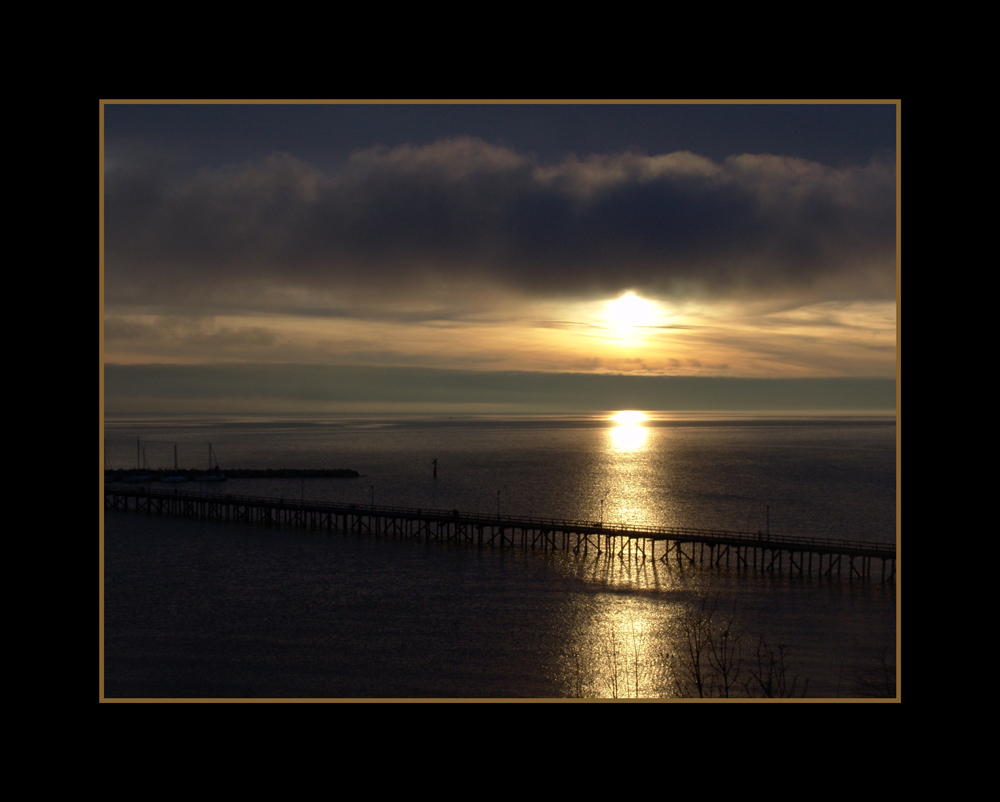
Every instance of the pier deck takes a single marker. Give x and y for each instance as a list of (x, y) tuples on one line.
[(714, 547)]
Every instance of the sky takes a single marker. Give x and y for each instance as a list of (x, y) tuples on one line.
[(498, 257)]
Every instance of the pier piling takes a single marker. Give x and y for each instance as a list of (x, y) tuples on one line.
[(509, 531)]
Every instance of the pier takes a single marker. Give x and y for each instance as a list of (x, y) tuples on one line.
[(714, 548)]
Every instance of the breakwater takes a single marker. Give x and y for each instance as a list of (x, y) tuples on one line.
[(194, 474)]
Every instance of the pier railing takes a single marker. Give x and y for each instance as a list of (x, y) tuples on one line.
[(456, 525)]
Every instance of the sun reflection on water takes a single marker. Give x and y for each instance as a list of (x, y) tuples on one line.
[(629, 434), (628, 438), (629, 416), (618, 651)]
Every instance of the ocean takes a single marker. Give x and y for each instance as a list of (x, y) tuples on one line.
[(200, 609)]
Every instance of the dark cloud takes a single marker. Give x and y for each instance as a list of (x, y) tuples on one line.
[(218, 134), (461, 210), (189, 385)]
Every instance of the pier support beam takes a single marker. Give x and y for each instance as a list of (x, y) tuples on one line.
[(731, 548)]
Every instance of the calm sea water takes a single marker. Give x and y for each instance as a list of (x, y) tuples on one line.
[(196, 609)]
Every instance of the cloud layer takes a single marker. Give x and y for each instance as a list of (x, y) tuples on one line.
[(232, 388), (464, 213)]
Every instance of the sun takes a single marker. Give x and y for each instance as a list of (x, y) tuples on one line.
[(631, 310)]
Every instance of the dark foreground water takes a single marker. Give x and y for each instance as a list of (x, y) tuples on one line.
[(203, 609)]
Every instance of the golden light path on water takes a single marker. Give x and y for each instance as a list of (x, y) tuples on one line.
[(619, 644), (629, 434), (627, 461)]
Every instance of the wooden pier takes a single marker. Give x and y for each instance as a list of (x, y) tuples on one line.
[(715, 548)]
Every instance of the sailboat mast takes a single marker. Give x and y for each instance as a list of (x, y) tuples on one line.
[(175, 456)]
